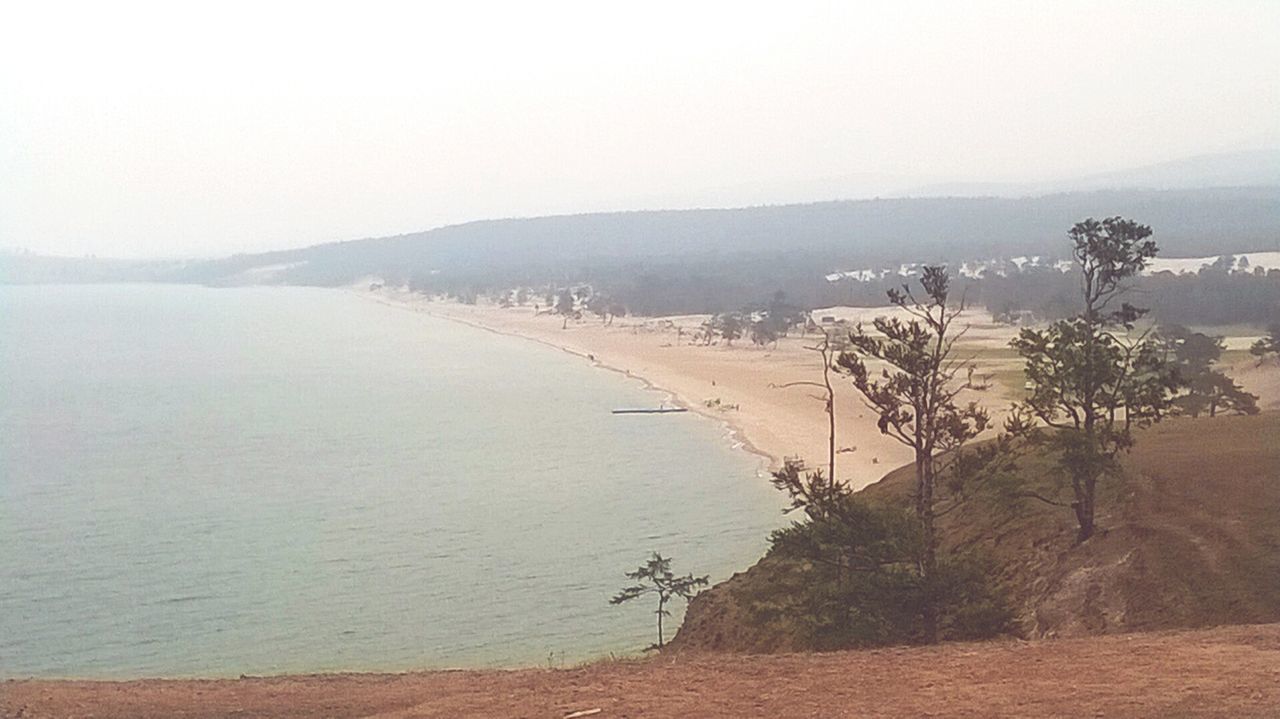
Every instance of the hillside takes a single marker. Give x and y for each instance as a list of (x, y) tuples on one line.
[(814, 238), (1225, 672), (676, 262), (1191, 538)]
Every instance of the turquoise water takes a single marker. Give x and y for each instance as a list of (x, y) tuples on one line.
[(214, 482)]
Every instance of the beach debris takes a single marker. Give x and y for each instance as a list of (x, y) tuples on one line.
[(583, 713), (717, 404)]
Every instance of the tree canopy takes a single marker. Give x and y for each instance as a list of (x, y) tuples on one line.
[(1093, 378)]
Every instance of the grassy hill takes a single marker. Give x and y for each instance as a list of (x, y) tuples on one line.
[(1190, 537)]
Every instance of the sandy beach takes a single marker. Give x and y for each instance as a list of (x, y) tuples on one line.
[(746, 386), (741, 385)]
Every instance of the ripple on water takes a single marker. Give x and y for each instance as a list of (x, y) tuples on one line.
[(218, 482)]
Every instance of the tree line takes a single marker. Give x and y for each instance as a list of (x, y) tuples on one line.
[(1212, 296)]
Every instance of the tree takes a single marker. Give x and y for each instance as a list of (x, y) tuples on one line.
[(1215, 391), (1267, 346), (616, 309), (565, 307), (599, 305), (1091, 383), (763, 333), (780, 316), (859, 578), (916, 397), (707, 331), (1207, 389), (729, 325), (655, 577), (827, 350)]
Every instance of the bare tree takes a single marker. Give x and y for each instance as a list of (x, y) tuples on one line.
[(827, 351)]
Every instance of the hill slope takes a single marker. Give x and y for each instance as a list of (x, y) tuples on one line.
[(822, 237), (1190, 538)]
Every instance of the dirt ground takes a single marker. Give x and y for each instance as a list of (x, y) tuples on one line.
[(1222, 672)]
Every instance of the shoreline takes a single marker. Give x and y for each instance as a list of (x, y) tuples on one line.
[(733, 430), (759, 394), (750, 391)]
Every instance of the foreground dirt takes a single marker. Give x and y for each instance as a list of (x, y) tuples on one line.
[(1223, 672)]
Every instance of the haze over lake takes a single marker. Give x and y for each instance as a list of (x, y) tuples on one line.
[(199, 481)]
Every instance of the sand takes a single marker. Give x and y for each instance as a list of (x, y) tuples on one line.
[(742, 385), (746, 386)]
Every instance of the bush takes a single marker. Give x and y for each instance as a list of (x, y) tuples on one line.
[(857, 582)]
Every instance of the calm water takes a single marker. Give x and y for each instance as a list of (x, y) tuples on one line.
[(198, 481)]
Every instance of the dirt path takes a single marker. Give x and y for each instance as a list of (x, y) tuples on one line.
[(1224, 672)]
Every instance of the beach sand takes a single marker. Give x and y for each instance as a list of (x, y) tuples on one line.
[(744, 386), (741, 385)]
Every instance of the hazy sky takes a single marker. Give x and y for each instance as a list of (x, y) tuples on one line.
[(170, 129)]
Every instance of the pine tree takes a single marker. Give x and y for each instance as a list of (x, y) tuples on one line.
[(916, 397), (1207, 389), (1092, 383), (655, 577)]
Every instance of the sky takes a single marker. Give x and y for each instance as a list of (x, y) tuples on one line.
[(136, 129)]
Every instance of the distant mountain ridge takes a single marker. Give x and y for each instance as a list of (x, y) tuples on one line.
[(1234, 169), (1247, 168), (829, 236), (799, 240)]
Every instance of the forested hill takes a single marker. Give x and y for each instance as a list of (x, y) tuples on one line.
[(682, 261), (805, 238)]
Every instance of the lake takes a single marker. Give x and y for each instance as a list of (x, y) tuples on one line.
[(200, 481)]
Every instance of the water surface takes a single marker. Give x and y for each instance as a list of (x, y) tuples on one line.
[(210, 482)]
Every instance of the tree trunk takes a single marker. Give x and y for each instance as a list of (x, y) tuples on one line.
[(1084, 506), (661, 604), (929, 548), (831, 417)]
